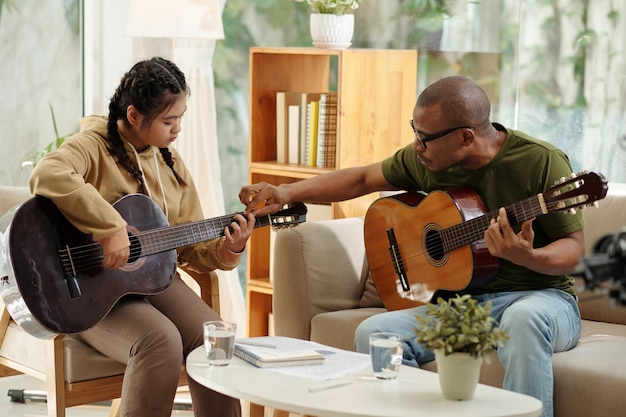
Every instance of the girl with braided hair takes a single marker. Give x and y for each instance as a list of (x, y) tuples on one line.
[(124, 153)]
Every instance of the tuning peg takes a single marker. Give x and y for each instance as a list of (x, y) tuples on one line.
[(571, 211)]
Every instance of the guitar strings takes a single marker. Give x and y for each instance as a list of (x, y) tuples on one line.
[(88, 256), (467, 232), (569, 196)]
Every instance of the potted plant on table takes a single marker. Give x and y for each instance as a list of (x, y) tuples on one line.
[(461, 332), (330, 24)]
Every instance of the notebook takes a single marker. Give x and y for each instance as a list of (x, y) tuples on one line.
[(269, 352)]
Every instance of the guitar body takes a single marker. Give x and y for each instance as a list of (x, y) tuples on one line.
[(38, 287), (414, 222)]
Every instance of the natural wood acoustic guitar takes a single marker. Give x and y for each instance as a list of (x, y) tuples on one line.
[(418, 244)]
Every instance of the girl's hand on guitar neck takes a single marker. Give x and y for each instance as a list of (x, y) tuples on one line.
[(503, 242), (235, 237), (116, 249)]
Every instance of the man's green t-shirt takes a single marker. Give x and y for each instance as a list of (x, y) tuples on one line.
[(524, 167)]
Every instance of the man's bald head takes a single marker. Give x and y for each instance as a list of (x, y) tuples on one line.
[(461, 100)]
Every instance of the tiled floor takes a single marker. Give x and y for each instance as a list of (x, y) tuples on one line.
[(37, 408)]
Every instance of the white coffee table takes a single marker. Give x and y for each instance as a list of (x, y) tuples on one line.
[(414, 393)]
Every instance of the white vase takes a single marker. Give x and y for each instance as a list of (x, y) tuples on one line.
[(331, 31), (458, 374)]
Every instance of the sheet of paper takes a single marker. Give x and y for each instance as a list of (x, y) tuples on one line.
[(337, 362)]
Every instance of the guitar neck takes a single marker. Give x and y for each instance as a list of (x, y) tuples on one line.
[(472, 230), (162, 240)]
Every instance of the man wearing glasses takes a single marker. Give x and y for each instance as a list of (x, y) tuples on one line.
[(456, 145)]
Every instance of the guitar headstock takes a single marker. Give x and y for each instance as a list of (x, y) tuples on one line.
[(292, 215), (578, 191)]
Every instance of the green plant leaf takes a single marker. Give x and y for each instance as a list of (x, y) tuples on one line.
[(460, 324)]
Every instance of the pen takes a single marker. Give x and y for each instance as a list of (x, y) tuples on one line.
[(260, 344), (330, 385)]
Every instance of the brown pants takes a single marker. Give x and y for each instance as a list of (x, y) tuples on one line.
[(153, 336)]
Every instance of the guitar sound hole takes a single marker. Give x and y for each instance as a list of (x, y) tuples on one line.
[(434, 245), (135, 249)]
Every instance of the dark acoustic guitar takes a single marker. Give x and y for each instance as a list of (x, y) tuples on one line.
[(417, 245), (52, 280)]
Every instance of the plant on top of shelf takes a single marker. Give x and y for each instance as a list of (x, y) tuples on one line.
[(338, 7), (460, 325)]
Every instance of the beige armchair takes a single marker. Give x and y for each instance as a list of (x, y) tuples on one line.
[(74, 373)]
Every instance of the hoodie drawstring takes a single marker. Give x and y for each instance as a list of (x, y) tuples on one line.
[(158, 174)]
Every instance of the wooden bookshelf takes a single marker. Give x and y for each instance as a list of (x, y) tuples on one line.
[(376, 94)]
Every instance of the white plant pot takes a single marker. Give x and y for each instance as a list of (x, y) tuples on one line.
[(330, 31), (458, 375)]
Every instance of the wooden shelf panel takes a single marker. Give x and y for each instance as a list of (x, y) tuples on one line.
[(262, 285), (296, 51), (259, 308), (286, 170)]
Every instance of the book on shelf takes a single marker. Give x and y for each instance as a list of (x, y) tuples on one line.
[(293, 134), (284, 99), (307, 134), (311, 140), (327, 131), (306, 128), (276, 351), (306, 99)]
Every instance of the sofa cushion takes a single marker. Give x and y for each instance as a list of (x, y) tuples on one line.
[(82, 362), (596, 364), (600, 308), (370, 297), (336, 328)]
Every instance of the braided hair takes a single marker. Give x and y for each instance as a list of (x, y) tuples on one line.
[(151, 86)]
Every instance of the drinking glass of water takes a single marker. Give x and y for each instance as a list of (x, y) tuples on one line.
[(386, 354), (219, 341)]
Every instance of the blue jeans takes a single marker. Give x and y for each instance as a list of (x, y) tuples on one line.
[(538, 323)]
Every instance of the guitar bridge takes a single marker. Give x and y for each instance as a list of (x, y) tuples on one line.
[(69, 272), (396, 260)]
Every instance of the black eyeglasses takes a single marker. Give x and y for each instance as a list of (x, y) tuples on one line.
[(427, 138)]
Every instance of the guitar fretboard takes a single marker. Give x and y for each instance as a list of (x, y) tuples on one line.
[(470, 231), (162, 240)]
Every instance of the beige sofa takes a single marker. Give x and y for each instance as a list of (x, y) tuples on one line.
[(322, 292)]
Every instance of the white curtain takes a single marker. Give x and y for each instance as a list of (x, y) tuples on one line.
[(198, 146)]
